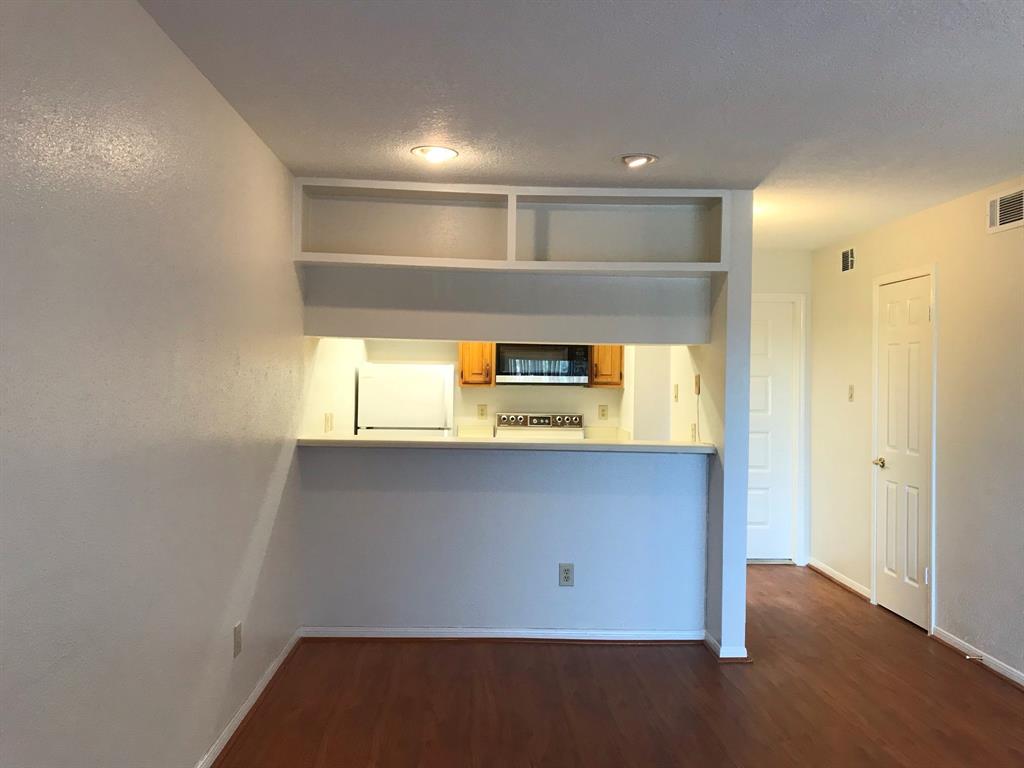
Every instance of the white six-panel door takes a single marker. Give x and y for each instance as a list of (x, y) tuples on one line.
[(903, 392), (770, 491)]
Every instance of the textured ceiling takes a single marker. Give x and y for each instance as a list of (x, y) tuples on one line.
[(842, 114)]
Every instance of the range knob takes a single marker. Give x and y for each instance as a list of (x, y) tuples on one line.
[(575, 419), (558, 419), (520, 419), (503, 418)]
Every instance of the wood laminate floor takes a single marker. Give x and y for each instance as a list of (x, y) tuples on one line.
[(835, 682)]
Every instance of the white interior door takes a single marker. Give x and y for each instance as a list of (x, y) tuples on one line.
[(770, 491), (903, 393)]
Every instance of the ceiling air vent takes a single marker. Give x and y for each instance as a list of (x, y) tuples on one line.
[(848, 260), (1006, 211)]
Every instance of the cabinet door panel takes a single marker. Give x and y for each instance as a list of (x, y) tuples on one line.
[(606, 365), (476, 363)]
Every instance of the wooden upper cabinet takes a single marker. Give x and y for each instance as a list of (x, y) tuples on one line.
[(476, 364), (606, 365)]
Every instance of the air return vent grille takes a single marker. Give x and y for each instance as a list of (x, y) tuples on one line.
[(848, 260), (1006, 211)]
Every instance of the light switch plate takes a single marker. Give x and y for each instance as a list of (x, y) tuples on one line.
[(237, 636)]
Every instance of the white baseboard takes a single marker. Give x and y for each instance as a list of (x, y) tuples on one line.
[(992, 663), (857, 587), (732, 652), (505, 633), (229, 729), (724, 652)]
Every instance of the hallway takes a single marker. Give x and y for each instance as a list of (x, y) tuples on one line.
[(834, 681)]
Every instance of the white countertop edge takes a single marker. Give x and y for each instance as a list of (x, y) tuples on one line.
[(487, 443)]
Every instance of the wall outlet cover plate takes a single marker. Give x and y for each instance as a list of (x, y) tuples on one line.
[(566, 575)]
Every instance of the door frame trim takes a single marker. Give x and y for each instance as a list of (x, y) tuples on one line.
[(800, 532), (929, 271)]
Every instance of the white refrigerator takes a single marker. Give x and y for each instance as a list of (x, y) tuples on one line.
[(401, 400)]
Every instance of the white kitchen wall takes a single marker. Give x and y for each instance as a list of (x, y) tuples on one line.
[(684, 400), (330, 401), (411, 351), (152, 361), (979, 455), (626, 413), (407, 538)]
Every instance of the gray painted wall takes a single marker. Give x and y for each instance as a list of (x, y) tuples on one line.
[(152, 361), (449, 538), (367, 302)]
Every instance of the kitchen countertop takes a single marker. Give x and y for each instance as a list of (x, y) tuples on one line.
[(490, 443)]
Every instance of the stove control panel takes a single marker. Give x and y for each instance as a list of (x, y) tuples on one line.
[(546, 420)]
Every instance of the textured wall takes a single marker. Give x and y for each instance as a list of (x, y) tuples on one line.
[(448, 538), (979, 566), (778, 271), (151, 363)]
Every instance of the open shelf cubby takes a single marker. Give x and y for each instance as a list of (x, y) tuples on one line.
[(619, 229), (652, 232), (414, 224)]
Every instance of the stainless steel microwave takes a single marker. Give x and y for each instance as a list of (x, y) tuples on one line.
[(567, 364)]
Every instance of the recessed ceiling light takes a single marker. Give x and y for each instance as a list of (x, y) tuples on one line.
[(435, 154), (639, 160)]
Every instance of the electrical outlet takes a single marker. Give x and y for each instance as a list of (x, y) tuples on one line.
[(481, 411), (238, 638), (602, 412), (675, 393), (566, 575), (696, 384), (328, 421), (849, 394), (693, 432)]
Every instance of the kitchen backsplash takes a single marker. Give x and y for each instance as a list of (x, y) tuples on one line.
[(523, 398)]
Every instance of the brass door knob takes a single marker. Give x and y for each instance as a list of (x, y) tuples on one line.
[(879, 462)]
